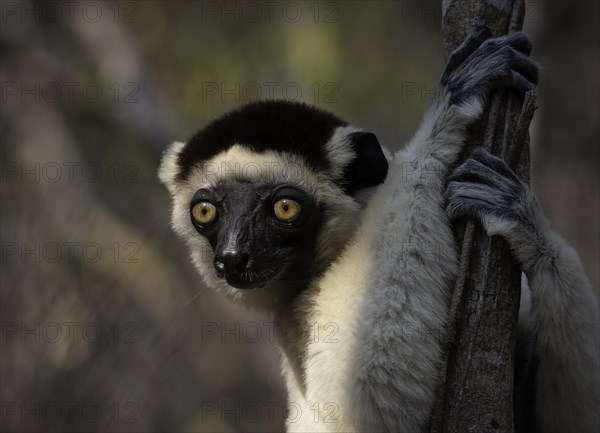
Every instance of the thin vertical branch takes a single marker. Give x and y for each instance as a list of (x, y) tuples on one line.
[(476, 394)]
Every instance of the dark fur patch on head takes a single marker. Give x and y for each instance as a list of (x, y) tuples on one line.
[(262, 126)]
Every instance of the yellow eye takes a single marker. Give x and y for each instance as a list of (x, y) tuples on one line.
[(204, 212), (287, 210)]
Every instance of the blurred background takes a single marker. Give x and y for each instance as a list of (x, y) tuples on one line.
[(105, 324)]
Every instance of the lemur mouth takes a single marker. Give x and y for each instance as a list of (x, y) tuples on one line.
[(247, 280)]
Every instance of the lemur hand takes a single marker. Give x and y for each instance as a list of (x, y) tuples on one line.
[(481, 64), (485, 187)]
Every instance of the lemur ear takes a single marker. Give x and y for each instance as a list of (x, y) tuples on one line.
[(167, 172), (370, 166)]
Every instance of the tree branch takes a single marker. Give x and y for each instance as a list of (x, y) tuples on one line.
[(478, 389)]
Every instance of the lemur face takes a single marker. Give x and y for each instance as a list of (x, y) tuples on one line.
[(258, 232), (264, 195)]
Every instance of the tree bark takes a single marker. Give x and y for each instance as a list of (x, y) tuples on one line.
[(477, 393)]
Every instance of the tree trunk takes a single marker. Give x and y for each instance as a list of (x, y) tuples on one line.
[(477, 394)]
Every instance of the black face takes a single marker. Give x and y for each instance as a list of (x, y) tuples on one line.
[(258, 233)]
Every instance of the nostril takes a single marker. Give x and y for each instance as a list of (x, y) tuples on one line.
[(220, 267), (231, 262)]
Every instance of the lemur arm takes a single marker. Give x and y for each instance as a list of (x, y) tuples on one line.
[(414, 257), (565, 311)]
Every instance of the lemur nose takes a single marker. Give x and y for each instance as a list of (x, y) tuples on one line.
[(230, 263)]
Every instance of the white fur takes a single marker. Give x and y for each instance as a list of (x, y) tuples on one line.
[(279, 167), (168, 167), (338, 151)]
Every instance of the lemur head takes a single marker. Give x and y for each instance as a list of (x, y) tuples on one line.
[(265, 196)]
